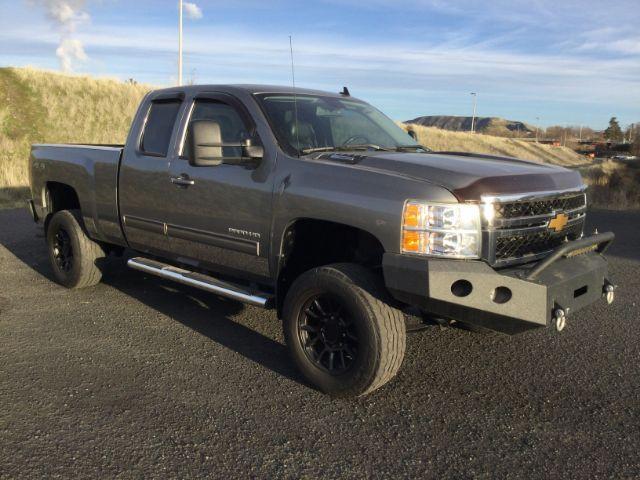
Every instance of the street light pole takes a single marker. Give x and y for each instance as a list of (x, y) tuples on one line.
[(180, 43), (473, 118)]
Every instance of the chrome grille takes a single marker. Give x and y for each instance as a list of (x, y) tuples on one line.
[(523, 244), (516, 228), (538, 207)]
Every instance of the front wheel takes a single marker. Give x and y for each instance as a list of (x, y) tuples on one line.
[(341, 331), (72, 253)]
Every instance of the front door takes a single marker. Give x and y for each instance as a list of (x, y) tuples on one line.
[(218, 217), (144, 176)]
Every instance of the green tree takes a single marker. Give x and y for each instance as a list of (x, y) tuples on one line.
[(613, 131)]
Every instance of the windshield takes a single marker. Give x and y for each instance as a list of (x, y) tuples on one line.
[(330, 123)]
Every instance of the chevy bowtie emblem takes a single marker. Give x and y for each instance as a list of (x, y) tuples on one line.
[(558, 222)]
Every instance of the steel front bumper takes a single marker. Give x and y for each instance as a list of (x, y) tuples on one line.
[(508, 301)]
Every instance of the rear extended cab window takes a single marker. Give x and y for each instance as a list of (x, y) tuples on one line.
[(157, 131)]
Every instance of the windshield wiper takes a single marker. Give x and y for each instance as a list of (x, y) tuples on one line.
[(319, 149), (346, 148), (367, 146), (400, 148)]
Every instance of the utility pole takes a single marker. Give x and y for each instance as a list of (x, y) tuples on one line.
[(473, 118), (180, 44), (580, 135), (537, 127)]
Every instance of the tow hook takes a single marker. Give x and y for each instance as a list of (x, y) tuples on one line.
[(608, 292), (559, 319)]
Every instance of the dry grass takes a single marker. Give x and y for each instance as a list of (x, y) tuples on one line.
[(82, 109), (444, 140), (40, 106), (613, 185)]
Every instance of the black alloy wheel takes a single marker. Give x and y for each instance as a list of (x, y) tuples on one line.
[(62, 250), (343, 334), (73, 255), (328, 334)]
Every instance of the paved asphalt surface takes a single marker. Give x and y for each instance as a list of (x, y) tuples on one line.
[(138, 377)]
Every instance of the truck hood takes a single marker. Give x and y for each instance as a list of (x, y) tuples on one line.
[(468, 176)]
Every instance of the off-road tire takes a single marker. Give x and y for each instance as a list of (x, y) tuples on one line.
[(381, 328), (83, 270)]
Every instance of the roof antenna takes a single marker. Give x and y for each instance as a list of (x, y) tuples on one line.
[(295, 97), (345, 92)]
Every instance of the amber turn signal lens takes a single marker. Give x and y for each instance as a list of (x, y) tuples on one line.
[(412, 215), (410, 241)]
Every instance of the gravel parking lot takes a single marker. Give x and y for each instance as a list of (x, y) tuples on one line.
[(139, 377)]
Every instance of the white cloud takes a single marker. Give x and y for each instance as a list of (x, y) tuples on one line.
[(417, 67), (70, 50), (629, 46), (192, 11), (66, 16)]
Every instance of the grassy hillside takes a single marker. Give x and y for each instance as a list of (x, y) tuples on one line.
[(437, 139), (613, 185), (38, 106), (488, 125)]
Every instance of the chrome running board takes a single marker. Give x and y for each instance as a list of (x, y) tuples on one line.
[(201, 281)]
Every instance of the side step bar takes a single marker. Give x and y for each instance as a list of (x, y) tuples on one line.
[(201, 281)]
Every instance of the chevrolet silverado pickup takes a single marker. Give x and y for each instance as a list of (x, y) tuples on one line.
[(319, 206)]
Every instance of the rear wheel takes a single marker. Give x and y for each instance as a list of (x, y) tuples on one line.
[(72, 253), (342, 333)]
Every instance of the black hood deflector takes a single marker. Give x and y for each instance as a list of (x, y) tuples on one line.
[(467, 175)]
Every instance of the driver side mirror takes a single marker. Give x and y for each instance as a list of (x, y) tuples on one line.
[(207, 147)]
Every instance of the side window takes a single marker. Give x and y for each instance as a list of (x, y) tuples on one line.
[(232, 126), (157, 131)]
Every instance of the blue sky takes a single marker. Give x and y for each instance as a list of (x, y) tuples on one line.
[(566, 62)]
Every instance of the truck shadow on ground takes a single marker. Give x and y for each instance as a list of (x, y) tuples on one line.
[(206, 314)]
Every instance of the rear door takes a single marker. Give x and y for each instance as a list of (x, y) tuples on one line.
[(219, 217), (144, 174)]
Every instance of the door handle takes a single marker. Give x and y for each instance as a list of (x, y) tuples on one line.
[(182, 181)]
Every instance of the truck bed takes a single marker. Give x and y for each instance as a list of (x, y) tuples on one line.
[(92, 171)]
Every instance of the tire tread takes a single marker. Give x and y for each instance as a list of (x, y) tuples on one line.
[(391, 333), (90, 251)]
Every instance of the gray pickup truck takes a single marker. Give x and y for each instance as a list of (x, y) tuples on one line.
[(319, 206)]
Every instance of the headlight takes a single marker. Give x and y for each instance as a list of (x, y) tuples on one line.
[(441, 229)]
